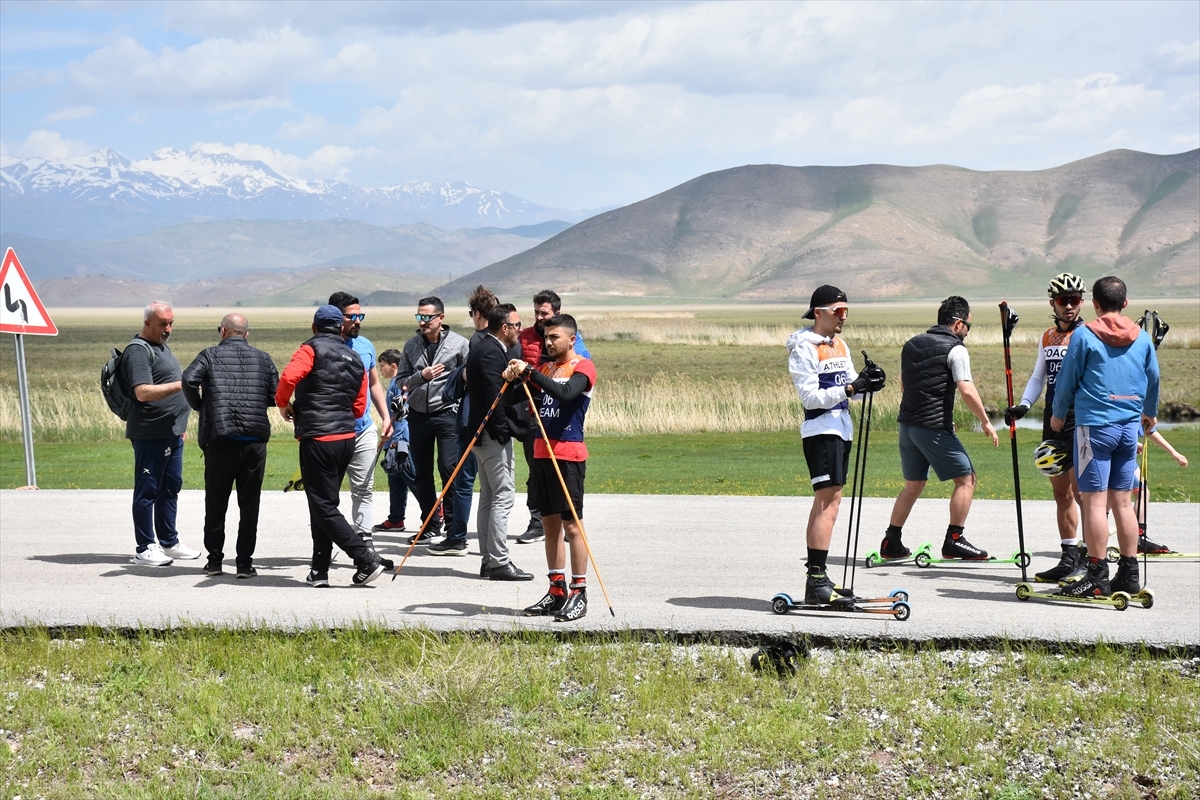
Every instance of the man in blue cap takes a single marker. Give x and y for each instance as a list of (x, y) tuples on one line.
[(330, 387)]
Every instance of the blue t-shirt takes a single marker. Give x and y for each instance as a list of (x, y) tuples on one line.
[(362, 345)]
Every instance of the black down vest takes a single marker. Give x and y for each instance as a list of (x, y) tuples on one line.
[(238, 384), (928, 399), (324, 402)]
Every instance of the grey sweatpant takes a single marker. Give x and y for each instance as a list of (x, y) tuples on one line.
[(361, 473), (497, 493)]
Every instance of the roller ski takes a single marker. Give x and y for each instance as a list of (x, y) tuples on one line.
[(1128, 580), (820, 594), (1148, 548), (959, 551), (1093, 589), (891, 551)]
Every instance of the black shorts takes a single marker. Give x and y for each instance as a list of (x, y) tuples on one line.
[(545, 492), (828, 457), (1066, 436)]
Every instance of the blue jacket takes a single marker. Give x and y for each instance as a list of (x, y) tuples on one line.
[(1110, 377), (399, 429)]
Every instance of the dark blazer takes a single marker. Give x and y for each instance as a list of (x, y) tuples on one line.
[(485, 366)]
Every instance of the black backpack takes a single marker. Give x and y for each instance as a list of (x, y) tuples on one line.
[(116, 393)]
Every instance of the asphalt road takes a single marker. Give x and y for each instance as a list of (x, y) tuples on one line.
[(675, 564)]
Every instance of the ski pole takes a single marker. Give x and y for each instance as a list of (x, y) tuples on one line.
[(1008, 321), (449, 483), (1144, 505), (858, 447), (859, 481), (862, 483), (570, 503)]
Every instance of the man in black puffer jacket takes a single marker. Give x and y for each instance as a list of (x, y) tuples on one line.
[(232, 385), (932, 366)]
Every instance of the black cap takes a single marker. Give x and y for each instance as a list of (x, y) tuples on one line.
[(823, 296)]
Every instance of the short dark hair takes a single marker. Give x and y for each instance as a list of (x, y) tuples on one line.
[(1110, 293), (342, 300), (498, 316), (561, 321), (389, 356), (547, 296), (952, 308), (482, 301), (436, 302)]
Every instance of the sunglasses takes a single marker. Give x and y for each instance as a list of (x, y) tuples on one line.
[(516, 325), (354, 317), (840, 313), (1069, 299), (964, 322), (427, 317)]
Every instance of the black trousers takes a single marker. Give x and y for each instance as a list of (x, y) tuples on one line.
[(425, 431), (323, 466), (226, 463)]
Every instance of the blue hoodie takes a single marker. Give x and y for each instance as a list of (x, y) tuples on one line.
[(1109, 374)]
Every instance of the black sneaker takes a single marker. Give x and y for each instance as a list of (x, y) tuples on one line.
[(574, 607), (820, 591), (534, 533), (1128, 578), (449, 547), (1094, 584), (1147, 545), (1067, 564), (957, 546), (893, 548), (551, 603), (367, 572), (213, 567), (316, 579), (246, 572), (423, 538)]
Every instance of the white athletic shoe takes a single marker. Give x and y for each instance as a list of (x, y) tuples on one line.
[(182, 552), (152, 556)]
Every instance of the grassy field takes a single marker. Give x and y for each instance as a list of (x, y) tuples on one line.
[(205, 713), (690, 399)]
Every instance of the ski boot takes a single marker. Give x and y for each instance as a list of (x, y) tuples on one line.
[(575, 606), (1128, 580), (891, 549), (956, 546), (1094, 585), (552, 602), (1149, 546), (1067, 565), (820, 591)]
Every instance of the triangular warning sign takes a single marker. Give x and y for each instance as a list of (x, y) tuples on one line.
[(21, 311)]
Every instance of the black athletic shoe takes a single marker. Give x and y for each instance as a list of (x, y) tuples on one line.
[(533, 533), (449, 547), (1094, 584), (551, 603), (367, 572), (1067, 564), (820, 591), (317, 580), (213, 568), (957, 546), (1128, 578), (893, 548), (1147, 545), (423, 538), (246, 572), (575, 606)]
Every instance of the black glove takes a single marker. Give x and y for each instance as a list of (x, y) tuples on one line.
[(860, 384), (876, 377), (1014, 413)]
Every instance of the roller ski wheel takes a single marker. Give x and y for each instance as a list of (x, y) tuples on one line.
[(1118, 600), (1113, 555), (875, 559), (924, 558), (894, 605)]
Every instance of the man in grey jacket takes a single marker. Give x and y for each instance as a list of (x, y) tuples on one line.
[(426, 362), (232, 385)]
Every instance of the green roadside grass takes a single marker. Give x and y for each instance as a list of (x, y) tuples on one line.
[(329, 714), (700, 463)]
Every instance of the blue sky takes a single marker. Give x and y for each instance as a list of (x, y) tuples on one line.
[(581, 105)]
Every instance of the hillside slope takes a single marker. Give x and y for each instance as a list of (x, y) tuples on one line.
[(775, 232)]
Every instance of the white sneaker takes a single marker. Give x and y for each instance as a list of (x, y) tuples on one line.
[(152, 556), (182, 552)]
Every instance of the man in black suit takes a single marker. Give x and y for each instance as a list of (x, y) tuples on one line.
[(494, 451)]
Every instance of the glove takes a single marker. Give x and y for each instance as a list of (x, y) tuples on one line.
[(1014, 413), (860, 384), (876, 377)]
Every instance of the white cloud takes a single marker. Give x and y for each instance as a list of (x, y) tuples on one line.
[(329, 162), (72, 112), (47, 144), (1179, 54)]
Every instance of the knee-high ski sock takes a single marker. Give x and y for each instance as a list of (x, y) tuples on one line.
[(816, 561)]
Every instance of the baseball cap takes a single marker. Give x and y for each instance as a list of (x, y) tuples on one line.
[(823, 296), (328, 318)]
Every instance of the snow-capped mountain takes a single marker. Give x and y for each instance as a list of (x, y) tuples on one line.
[(104, 195)]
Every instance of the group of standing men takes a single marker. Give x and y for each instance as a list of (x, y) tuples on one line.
[(447, 395), (1102, 382)]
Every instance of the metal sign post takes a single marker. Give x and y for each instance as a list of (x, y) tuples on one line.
[(21, 313)]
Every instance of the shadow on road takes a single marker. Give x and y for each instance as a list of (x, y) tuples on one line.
[(459, 609), (731, 603)]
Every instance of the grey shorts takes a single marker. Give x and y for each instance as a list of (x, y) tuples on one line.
[(921, 448)]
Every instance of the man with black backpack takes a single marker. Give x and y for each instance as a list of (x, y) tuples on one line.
[(156, 425)]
